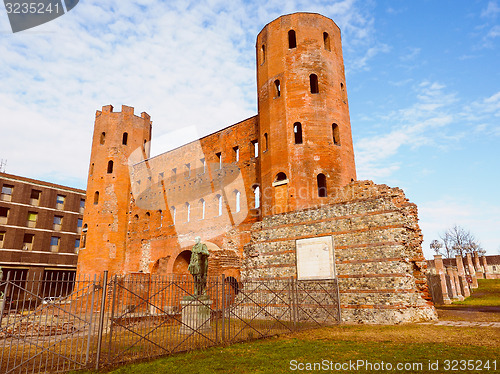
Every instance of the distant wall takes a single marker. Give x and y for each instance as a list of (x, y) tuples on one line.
[(378, 255)]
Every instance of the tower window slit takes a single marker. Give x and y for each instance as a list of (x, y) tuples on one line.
[(292, 39)]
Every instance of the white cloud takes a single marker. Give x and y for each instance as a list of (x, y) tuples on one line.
[(184, 63), (411, 127), (491, 10)]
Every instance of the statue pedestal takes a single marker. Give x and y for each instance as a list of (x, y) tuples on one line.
[(195, 315)]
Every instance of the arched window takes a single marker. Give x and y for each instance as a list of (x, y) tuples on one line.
[(237, 196), (280, 177), (96, 198), (326, 41), (265, 142), (335, 134), (292, 39), (256, 197), (110, 167), (313, 78), (103, 138), (84, 236), (278, 88), (321, 178), (188, 212), (297, 131), (136, 217), (342, 90), (219, 205), (172, 208), (263, 53), (125, 138), (202, 206), (91, 169)]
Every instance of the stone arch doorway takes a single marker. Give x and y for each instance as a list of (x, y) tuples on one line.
[(181, 263)]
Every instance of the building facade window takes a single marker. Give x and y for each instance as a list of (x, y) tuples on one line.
[(203, 166), (4, 215), (125, 138), (255, 146), (174, 211), (6, 194), (79, 225), (35, 197), (313, 80), (2, 238), (82, 205), (60, 202), (237, 198), (292, 39), (28, 242), (202, 207), (54, 244), (110, 167), (277, 86), (174, 174), (188, 212), (256, 197), (84, 235), (32, 218), (96, 198), (187, 168), (263, 53), (297, 132), (57, 223), (102, 140), (219, 205), (266, 142), (77, 245), (321, 179), (236, 151), (219, 159), (326, 41), (335, 134)]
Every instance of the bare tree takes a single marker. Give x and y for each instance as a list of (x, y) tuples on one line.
[(459, 241), (436, 246)]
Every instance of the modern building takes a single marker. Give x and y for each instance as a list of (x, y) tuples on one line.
[(40, 227)]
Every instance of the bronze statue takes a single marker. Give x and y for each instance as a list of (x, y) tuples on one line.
[(198, 267)]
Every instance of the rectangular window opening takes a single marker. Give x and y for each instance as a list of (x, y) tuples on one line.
[(35, 197), (6, 194), (236, 153), (4, 215)]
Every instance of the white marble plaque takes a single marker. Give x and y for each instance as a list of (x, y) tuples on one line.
[(315, 258)]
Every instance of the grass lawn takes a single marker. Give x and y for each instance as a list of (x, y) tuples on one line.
[(488, 294), (411, 344)]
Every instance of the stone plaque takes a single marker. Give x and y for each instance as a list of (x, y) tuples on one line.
[(315, 258)]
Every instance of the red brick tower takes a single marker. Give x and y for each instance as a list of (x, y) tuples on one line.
[(105, 221), (304, 127)]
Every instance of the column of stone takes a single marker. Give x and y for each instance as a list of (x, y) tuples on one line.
[(472, 271), (456, 280), (461, 275), (438, 264), (449, 271), (487, 273), (477, 265)]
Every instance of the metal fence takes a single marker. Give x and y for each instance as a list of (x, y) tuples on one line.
[(60, 323)]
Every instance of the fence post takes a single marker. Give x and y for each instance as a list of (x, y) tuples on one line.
[(111, 323), (4, 300), (293, 303), (223, 308), (101, 319), (92, 301)]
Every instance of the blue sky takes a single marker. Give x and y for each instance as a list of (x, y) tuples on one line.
[(422, 78)]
